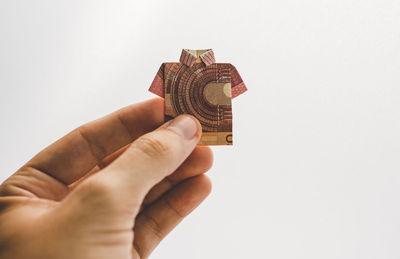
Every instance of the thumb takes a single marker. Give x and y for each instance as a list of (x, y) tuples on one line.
[(153, 156), (122, 186)]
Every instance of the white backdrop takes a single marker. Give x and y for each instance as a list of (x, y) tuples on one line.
[(314, 172)]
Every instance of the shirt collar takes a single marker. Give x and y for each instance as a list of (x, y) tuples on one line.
[(188, 57)]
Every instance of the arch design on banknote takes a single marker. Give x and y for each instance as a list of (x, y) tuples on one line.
[(187, 91)]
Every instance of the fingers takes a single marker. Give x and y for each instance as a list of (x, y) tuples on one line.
[(199, 162), (74, 155), (100, 165), (121, 187), (155, 155), (156, 221)]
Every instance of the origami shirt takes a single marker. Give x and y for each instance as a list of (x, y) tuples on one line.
[(199, 86)]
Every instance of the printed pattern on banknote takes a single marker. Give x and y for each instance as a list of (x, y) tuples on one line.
[(198, 86)]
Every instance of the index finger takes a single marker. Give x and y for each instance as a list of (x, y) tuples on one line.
[(72, 156)]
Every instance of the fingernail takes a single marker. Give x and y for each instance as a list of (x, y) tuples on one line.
[(185, 126)]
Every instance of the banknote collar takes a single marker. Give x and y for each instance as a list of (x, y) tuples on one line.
[(189, 56)]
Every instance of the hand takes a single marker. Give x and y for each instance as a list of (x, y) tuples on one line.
[(108, 189)]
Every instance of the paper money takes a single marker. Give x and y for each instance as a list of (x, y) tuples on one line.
[(200, 87)]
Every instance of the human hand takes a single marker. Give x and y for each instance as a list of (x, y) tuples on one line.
[(108, 189)]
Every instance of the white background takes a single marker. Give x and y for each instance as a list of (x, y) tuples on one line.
[(314, 172)]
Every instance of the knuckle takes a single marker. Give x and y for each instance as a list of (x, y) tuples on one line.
[(97, 192), (152, 146), (6, 189), (97, 150), (103, 196), (99, 187), (154, 227)]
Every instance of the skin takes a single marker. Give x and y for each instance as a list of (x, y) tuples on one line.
[(112, 188)]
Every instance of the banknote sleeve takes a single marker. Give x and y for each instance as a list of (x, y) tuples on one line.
[(237, 85), (157, 86)]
